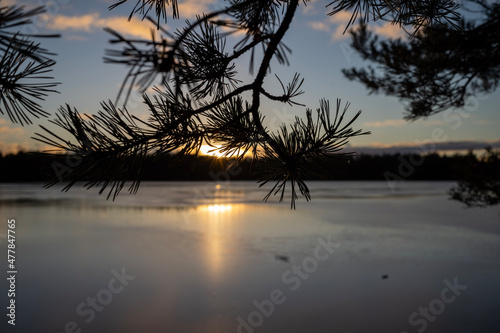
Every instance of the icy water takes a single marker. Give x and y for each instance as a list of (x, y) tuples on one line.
[(206, 257)]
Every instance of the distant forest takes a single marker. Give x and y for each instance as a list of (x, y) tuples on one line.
[(29, 167)]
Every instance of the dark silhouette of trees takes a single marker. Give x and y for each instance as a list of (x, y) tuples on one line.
[(23, 167), (480, 183), (23, 65), (437, 67)]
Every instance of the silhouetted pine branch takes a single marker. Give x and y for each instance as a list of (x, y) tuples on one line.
[(201, 101), (232, 125), (23, 64), (143, 7), (419, 14), (113, 144), (307, 149)]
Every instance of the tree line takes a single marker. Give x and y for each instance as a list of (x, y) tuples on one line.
[(30, 167)]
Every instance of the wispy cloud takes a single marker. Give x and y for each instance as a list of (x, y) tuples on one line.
[(5, 130), (485, 122), (12, 148), (309, 7), (389, 30), (340, 21), (8, 2), (93, 21), (336, 25), (12, 139), (320, 26), (189, 9), (386, 123), (402, 122), (135, 27), (83, 23)]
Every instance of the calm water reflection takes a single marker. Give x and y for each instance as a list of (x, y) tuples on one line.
[(210, 258)]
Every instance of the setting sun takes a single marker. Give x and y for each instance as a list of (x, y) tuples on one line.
[(211, 150), (215, 150)]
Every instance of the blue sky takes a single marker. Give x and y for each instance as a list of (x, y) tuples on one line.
[(320, 51)]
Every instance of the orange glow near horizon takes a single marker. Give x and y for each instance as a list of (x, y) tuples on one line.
[(215, 150), (211, 151)]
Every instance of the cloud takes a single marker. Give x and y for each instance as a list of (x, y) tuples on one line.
[(484, 122), (82, 23), (435, 122), (340, 20), (91, 22), (402, 122), (12, 148), (12, 139), (309, 7), (320, 26), (8, 2), (389, 30), (9, 131), (337, 24), (134, 27), (386, 123), (189, 9)]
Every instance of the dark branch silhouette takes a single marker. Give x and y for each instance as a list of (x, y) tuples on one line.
[(480, 184), (201, 100), (419, 14), (23, 65), (143, 7), (438, 68)]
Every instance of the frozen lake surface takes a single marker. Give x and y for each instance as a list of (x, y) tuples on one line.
[(204, 257)]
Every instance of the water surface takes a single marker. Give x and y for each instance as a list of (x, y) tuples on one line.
[(208, 257)]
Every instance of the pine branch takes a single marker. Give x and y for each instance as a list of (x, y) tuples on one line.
[(307, 149), (201, 101), (23, 64), (436, 70), (116, 143), (143, 7), (13, 18), (419, 14), (20, 85), (290, 92)]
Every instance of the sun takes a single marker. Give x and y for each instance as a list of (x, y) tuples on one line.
[(211, 150), (215, 150)]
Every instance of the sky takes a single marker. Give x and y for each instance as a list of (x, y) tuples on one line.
[(320, 51)]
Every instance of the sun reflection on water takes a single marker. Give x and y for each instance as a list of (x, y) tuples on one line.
[(218, 208), (218, 220)]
